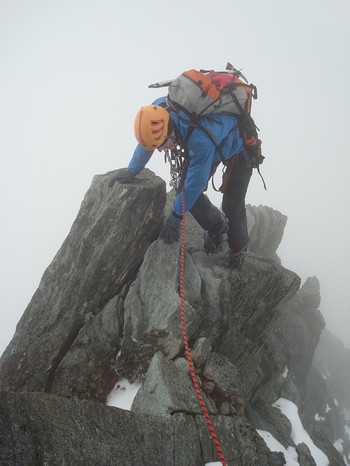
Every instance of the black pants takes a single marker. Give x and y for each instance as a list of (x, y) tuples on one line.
[(209, 217)]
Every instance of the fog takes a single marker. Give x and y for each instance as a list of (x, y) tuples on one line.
[(74, 74)]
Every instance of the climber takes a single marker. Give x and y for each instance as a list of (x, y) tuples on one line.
[(216, 140)]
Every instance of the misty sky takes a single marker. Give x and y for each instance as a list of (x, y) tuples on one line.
[(74, 73)]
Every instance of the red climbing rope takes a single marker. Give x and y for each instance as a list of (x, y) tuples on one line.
[(184, 335)]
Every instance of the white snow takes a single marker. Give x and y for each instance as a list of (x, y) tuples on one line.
[(123, 394), (299, 434), (339, 445), (290, 453)]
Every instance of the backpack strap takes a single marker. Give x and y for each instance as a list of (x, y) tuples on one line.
[(194, 123), (262, 178), (234, 97)]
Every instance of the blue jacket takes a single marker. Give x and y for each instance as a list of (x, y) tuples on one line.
[(201, 150)]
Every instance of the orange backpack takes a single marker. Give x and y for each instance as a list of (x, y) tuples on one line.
[(202, 92), (199, 93)]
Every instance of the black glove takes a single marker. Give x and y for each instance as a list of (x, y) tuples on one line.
[(253, 154), (123, 176), (171, 230)]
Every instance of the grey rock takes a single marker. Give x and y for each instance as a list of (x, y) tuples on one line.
[(219, 370), (166, 390), (303, 323), (304, 455), (200, 351), (101, 254), (270, 419), (108, 306), (332, 360), (227, 307), (37, 428), (266, 227), (152, 320), (92, 356), (182, 365)]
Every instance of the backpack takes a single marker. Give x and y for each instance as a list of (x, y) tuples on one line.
[(200, 93), (205, 92)]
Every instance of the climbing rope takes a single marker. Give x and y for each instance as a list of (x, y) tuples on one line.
[(184, 335)]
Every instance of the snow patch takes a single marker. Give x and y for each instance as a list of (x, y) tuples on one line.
[(338, 444), (272, 444), (123, 394), (299, 434)]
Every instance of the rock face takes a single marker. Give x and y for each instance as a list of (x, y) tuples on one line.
[(100, 256), (108, 307), (332, 360), (266, 227)]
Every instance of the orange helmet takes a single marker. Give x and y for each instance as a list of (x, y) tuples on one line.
[(151, 126)]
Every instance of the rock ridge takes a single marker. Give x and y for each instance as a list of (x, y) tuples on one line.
[(108, 308)]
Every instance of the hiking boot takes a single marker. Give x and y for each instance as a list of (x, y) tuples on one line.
[(236, 259), (212, 241)]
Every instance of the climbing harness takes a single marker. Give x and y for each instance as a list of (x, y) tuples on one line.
[(185, 339)]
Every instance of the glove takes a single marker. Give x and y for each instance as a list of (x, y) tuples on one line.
[(123, 176), (170, 233)]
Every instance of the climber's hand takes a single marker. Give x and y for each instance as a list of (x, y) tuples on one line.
[(122, 176), (170, 233)]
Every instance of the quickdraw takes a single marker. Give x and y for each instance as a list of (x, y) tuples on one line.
[(176, 159)]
